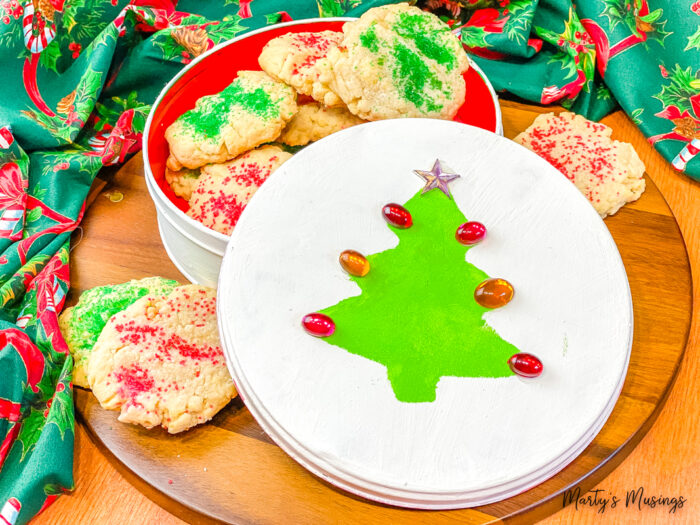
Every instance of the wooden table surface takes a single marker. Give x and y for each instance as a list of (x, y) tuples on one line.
[(666, 463)]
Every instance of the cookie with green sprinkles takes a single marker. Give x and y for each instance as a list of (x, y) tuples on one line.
[(252, 110), (398, 61), (81, 324)]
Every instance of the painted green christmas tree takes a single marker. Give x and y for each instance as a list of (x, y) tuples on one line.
[(416, 314)]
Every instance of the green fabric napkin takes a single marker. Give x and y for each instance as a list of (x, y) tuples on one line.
[(586, 55), (78, 80)]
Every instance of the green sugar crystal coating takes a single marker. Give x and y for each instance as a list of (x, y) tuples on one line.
[(210, 115), (416, 313), (369, 38), (87, 318), (412, 76), (429, 40)]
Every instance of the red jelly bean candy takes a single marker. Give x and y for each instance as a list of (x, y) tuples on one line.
[(525, 365), (471, 232), (318, 325), (397, 216)]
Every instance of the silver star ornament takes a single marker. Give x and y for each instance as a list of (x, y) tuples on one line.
[(438, 177)]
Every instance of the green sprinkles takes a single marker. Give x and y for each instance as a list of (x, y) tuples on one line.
[(433, 42), (418, 38), (412, 76), (369, 39), (208, 116)]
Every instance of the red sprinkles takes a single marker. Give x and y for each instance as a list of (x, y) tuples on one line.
[(159, 343), (223, 206), (250, 174), (136, 334), (196, 352), (316, 45), (577, 156), (220, 205), (134, 380)]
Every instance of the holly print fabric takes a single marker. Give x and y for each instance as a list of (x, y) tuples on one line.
[(591, 55), (79, 77), (78, 80)]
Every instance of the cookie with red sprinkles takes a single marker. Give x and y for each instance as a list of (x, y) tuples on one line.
[(608, 172), (294, 59), (159, 362), (81, 324), (223, 190)]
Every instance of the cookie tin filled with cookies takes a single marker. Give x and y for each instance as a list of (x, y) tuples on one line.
[(238, 112)]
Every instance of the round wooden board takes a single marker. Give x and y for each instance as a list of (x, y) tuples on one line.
[(231, 471)]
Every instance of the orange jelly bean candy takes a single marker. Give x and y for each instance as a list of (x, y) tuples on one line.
[(354, 263), (494, 293)]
